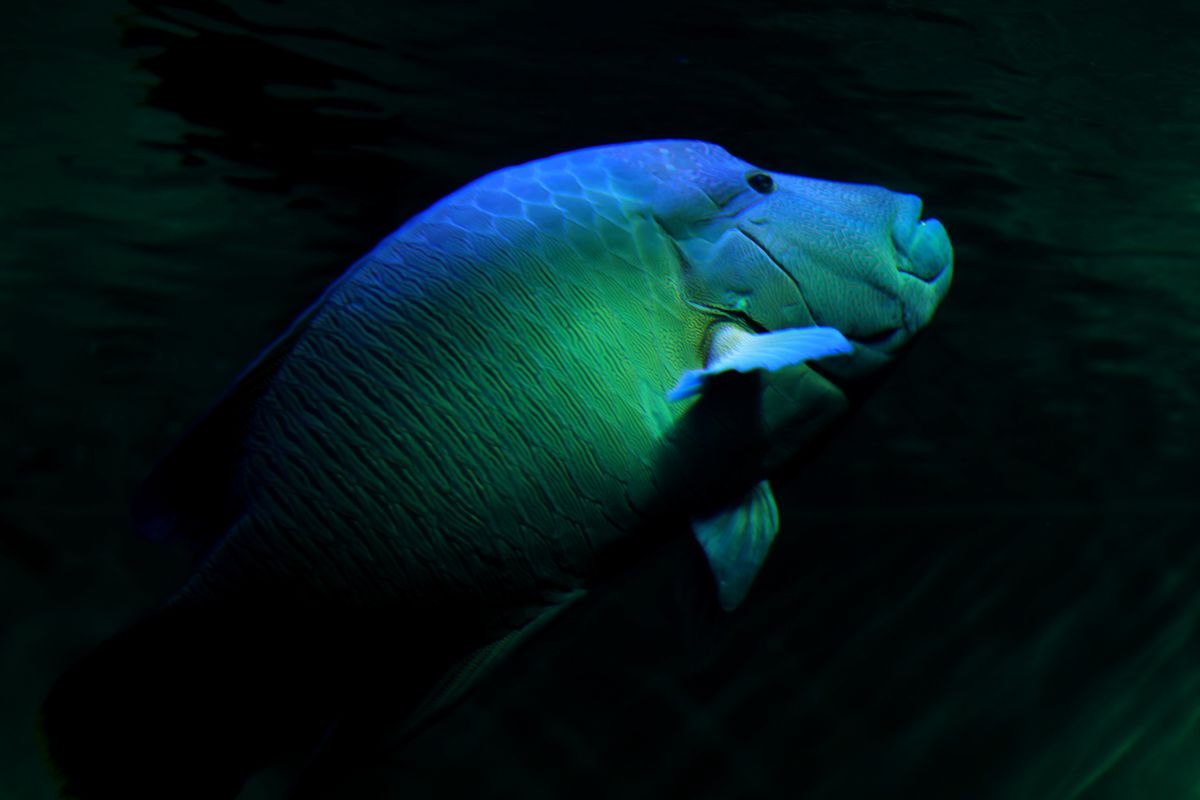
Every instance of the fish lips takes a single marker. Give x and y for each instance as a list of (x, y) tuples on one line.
[(925, 263), (923, 247)]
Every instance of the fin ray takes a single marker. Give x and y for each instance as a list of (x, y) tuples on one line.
[(768, 351), (736, 541)]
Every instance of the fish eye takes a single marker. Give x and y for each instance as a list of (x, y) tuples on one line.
[(760, 182)]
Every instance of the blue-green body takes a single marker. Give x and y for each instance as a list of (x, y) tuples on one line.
[(542, 366)]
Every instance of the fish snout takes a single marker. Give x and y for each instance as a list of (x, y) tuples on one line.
[(922, 246)]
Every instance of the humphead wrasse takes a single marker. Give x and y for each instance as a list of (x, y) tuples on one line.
[(545, 368)]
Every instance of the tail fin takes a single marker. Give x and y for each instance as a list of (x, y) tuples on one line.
[(183, 705)]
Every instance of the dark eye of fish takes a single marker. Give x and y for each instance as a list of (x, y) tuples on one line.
[(761, 182)]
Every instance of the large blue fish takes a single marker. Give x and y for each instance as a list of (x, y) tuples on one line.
[(507, 396)]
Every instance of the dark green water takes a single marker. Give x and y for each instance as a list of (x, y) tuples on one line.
[(986, 587)]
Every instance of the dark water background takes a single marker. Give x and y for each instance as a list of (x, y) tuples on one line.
[(987, 587)]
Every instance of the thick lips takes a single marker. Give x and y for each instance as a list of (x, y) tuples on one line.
[(928, 252), (922, 246)]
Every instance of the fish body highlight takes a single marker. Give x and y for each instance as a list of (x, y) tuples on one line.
[(538, 370)]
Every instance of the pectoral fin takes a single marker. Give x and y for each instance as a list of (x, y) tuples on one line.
[(736, 541), (740, 351)]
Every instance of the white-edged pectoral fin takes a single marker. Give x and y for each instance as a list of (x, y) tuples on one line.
[(736, 541), (741, 351)]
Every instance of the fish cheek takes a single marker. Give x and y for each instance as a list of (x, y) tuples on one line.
[(798, 405), (737, 275)]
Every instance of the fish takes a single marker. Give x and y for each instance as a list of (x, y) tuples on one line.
[(501, 404)]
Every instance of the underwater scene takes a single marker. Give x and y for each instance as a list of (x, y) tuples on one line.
[(526, 400)]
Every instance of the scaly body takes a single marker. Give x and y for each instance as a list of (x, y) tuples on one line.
[(532, 372)]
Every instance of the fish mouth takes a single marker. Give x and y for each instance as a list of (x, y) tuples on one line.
[(884, 340), (923, 247)]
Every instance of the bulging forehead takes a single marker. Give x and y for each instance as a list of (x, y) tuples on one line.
[(705, 165), (678, 181), (669, 156), (675, 176)]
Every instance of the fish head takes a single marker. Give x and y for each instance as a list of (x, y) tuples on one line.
[(782, 251)]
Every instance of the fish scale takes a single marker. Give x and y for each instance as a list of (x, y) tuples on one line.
[(486, 413)]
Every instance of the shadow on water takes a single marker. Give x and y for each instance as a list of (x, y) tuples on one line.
[(374, 118), (256, 103)]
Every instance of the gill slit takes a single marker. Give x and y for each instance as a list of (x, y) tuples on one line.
[(780, 267)]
